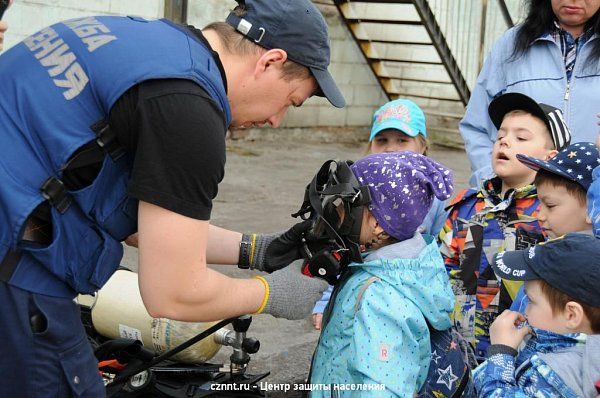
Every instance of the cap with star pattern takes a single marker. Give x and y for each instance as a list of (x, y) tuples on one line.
[(576, 163)]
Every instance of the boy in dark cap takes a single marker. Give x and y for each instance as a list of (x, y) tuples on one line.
[(562, 357), (562, 185), (593, 199), (500, 216)]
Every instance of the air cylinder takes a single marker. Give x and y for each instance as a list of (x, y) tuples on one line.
[(118, 312)]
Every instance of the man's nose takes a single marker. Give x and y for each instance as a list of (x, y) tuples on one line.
[(275, 120)]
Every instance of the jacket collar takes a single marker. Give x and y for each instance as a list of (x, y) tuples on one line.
[(491, 190)]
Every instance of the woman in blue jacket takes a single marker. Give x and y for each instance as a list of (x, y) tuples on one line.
[(553, 57)]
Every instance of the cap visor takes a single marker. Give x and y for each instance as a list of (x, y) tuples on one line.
[(328, 88), (539, 164), (532, 163), (505, 103), (514, 266), (396, 125)]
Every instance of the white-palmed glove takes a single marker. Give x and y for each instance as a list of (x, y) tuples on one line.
[(289, 293)]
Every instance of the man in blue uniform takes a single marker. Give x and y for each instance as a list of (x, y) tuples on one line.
[(116, 125)]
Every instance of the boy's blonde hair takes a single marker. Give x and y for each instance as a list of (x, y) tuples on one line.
[(574, 189)]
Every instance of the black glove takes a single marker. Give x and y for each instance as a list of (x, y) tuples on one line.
[(271, 252)]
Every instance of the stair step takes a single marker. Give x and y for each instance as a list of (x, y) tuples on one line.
[(384, 21), (340, 2), (396, 95), (450, 115), (401, 42), (420, 53), (375, 31), (407, 12)]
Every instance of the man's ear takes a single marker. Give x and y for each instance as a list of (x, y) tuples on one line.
[(275, 57), (574, 316), (551, 154)]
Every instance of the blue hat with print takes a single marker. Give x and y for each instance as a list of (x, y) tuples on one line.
[(593, 201), (402, 186), (558, 262), (576, 163), (400, 114)]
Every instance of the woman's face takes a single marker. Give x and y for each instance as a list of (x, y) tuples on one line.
[(572, 15)]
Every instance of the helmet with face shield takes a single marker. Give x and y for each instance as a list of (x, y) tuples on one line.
[(334, 201)]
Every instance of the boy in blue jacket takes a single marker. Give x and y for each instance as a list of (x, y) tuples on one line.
[(562, 183), (376, 332), (562, 357), (593, 197)]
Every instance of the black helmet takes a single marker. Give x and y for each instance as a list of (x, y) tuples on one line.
[(333, 241)]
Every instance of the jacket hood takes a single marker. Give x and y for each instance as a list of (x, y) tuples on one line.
[(575, 358), (416, 269)]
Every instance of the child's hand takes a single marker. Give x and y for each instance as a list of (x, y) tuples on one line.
[(317, 319), (505, 329)]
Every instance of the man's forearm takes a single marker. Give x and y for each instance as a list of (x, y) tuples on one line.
[(203, 296), (223, 246)]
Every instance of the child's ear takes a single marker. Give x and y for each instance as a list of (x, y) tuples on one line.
[(551, 154), (574, 316)]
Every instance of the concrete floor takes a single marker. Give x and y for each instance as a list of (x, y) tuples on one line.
[(264, 184)]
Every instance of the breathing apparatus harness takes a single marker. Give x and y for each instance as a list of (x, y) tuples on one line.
[(332, 242)]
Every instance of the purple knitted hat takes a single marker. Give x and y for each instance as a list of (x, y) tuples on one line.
[(402, 186)]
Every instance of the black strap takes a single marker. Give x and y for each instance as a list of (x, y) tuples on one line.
[(106, 139), (9, 264), (54, 191), (464, 381)]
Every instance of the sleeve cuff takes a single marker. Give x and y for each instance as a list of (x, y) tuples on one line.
[(501, 349)]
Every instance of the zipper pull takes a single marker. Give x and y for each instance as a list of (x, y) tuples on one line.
[(568, 92)]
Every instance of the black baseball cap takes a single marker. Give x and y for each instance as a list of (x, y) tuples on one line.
[(551, 116), (297, 27), (570, 264)]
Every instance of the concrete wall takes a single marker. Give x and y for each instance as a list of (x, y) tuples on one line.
[(26, 17)]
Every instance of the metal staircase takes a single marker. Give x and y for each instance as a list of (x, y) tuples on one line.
[(397, 35), (407, 51)]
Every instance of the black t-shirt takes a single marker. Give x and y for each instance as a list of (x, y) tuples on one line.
[(177, 135)]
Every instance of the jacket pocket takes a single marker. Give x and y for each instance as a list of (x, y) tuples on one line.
[(81, 372), (81, 254), (105, 200)]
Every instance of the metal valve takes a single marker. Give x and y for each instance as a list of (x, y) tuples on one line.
[(236, 338)]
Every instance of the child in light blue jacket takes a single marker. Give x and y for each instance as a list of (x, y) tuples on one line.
[(398, 126), (376, 328)]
